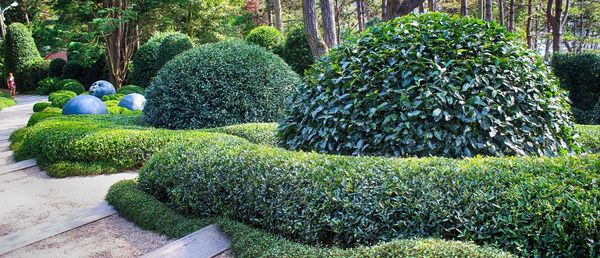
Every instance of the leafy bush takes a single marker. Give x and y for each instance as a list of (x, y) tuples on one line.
[(116, 97), (149, 213), (429, 85), (579, 73), (219, 84), (72, 70), (348, 201), (296, 51), (6, 101), (116, 110), (128, 89), (72, 85), (20, 51), (171, 46), (265, 36), (56, 67), (61, 97), (40, 116), (144, 61), (40, 106), (34, 71), (48, 85)]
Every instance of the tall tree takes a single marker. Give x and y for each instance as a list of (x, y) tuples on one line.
[(431, 4), (118, 28), (360, 14), (463, 7), (311, 29), (501, 11), (396, 8), (528, 35), (511, 16), (488, 10), (277, 11), (481, 9), (328, 18), (557, 21)]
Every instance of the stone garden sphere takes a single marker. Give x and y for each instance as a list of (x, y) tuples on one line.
[(430, 85), (84, 105), (133, 101), (101, 88)]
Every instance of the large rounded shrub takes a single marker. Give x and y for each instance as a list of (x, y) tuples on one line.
[(429, 85), (171, 46), (219, 84), (296, 51), (144, 61), (265, 36), (56, 67), (21, 56)]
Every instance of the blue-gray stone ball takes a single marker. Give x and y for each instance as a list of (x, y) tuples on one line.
[(133, 101), (101, 88), (84, 105)]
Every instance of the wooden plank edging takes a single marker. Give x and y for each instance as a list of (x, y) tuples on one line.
[(206, 242), (17, 166)]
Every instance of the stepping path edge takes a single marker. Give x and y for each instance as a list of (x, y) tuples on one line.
[(204, 243), (5, 169), (20, 239)]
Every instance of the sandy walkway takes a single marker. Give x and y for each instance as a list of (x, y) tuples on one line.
[(29, 197)]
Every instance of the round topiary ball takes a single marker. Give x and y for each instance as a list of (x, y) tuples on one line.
[(171, 46), (429, 85), (219, 84), (84, 105), (101, 88), (296, 51), (265, 36)]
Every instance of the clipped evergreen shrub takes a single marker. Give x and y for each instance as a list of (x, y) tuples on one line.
[(144, 61), (128, 89), (40, 106), (265, 36), (171, 46), (296, 51), (531, 206), (21, 56), (430, 85), (35, 71), (56, 67), (579, 73), (72, 70), (48, 85), (61, 97), (72, 85), (219, 84)]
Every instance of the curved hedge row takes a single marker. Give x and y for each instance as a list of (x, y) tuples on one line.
[(151, 214), (528, 205)]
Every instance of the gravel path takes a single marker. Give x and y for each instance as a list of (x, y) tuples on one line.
[(29, 197)]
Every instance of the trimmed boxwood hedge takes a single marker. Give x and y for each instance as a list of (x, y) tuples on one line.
[(21, 56), (265, 36), (61, 97), (151, 214), (219, 84), (430, 85), (171, 46), (532, 206), (40, 106)]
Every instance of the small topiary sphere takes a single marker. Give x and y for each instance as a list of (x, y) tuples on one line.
[(265, 36), (101, 88), (60, 98), (219, 84), (172, 46), (296, 51), (73, 86), (430, 85), (84, 105), (144, 60)]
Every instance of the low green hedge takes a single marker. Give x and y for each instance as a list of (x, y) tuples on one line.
[(40, 106), (259, 133), (6, 101), (61, 97), (151, 214), (528, 205)]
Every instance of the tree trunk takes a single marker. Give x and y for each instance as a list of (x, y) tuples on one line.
[(463, 7), (528, 27), (488, 10), (396, 8), (431, 4), (328, 23), (120, 43), (337, 19), (268, 10), (511, 16), (311, 28), (481, 9), (421, 8), (277, 11), (557, 21), (501, 12), (359, 15), (383, 8)]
